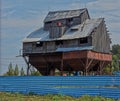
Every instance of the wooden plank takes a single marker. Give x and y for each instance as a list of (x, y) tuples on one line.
[(75, 55), (87, 54), (99, 56)]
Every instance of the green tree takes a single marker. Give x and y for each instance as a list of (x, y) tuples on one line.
[(16, 71), (10, 71), (116, 57), (107, 70), (116, 50), (22, 73), (35, 73)]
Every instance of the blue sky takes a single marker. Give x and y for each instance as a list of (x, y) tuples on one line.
[(20, 17)]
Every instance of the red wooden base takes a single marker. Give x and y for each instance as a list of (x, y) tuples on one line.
[(85, 61)]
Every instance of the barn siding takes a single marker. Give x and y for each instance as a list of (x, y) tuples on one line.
[(84, 16), (70, 43), (27, 47), (50, 47), (100, 39), (58, 31), (81, 48)]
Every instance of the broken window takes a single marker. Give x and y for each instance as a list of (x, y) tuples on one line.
[(48, 22), (58, 43), (39, 44), (83, 40), (69, 22), (70, 19)]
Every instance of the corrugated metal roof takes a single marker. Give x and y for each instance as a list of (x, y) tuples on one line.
[(56, 15), (37, 35), (31, 39), (40, 33), (84, 29), (77, 31), (74, 49)]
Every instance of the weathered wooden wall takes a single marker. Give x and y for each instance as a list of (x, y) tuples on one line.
[(84, 16), (100, 39), (57, 31), (51, 46)]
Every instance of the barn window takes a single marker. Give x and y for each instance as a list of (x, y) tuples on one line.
[(39, 44), (48, 22), (58, 43), (70, 19), (83, 40), (75, 28)]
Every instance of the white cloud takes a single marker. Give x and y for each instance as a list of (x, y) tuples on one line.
[(8, 13), (22, 23), (105, 5), (33, 11)]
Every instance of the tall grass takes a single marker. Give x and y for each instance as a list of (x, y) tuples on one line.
[(5, 96)]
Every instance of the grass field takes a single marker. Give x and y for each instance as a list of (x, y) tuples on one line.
[(4, 96)]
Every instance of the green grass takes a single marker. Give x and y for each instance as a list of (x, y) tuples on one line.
[(5, 96)]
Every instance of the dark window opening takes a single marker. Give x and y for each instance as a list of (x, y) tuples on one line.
[(48, 22), (70, 19), (83, 40), (69, 22), (74, 29), (39, 44), (59, 43)]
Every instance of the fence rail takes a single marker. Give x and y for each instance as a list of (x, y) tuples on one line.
[(107, 86)]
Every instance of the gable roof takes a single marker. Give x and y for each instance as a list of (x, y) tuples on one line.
[(57, 15), (77, 31), (82, 30)]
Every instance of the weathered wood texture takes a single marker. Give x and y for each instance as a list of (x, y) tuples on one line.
[(58, 27), (100, 39), (45, 55)]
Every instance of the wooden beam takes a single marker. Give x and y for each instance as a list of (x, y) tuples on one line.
[(28, 64), (61, 65), (86, 63), (82, 62), (91, 60), (101, 67)]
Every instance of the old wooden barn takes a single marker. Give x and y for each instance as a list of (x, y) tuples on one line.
[(69, 41)]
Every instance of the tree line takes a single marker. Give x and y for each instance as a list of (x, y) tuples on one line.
[(116, 57), (16, 72)]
